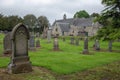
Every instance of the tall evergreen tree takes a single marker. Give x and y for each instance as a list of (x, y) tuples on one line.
[(110, 18)]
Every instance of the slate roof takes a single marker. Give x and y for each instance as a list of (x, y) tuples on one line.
[(64, 26), (77, 21), (80, 22)]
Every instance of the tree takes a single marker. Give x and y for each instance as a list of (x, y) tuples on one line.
[(29, 21), (12, 21), (94, 15), (43, 21), (8, 22), (110, 18), (112, 11), (81, 14)]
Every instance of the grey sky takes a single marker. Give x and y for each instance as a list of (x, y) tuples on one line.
[(53, 9)]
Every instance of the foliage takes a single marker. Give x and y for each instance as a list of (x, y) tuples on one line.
[(43, 22), (110, 19), (8, 22), (30, 21), (33, 23), (95, 15), (81, 14)]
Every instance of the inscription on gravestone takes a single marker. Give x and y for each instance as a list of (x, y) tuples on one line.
[(19, 60)]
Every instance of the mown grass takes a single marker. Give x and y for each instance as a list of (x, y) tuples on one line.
[(69, 59)]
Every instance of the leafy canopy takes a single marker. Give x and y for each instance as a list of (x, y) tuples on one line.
[(81, 14), (110, 19)]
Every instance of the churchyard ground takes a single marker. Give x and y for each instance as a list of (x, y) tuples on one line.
[(67, 64)]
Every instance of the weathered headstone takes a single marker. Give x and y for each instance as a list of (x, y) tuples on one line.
[(56, 45), (86, 51), (97, 45), (49, 36), (72, 40), (19, 60), (77, 42), (37, 43), (110, 46), (7, 44), (32, 42)]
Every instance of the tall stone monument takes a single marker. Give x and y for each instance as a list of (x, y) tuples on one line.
[(86, 51), (20, 62), (55, 43), (7, 43), (49, 35)]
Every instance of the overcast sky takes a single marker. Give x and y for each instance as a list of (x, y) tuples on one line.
[(53, 9)]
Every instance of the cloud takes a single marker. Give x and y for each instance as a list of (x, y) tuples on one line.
[(53, 9), (7, 2)]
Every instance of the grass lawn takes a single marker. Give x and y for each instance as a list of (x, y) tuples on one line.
[(69, 59)]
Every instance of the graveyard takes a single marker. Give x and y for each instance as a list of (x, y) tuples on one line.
[(59, 40), (66, 62)]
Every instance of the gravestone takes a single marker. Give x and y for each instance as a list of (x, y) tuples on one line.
[(77, 42), (72, 40), (7, 44), (49, 36), (56, 45), (86, 51), (32, 42), (19, 60), (110, 46), (37, 43), (97, 45)]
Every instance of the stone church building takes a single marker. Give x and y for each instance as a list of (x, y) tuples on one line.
[(75, 26)]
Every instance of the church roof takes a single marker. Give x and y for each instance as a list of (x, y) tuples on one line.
[(77, 21), (64, 26)]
